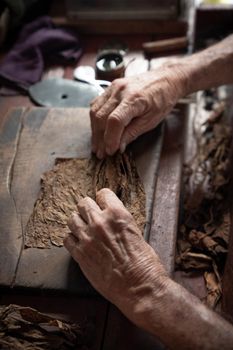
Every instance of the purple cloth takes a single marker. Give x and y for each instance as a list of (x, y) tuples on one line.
[(38, 43)]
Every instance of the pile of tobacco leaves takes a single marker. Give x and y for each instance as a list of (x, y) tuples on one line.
[(205, 223), (25, 328)]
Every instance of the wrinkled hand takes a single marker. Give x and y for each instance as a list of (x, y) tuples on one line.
[(132, 106), (112, 253)]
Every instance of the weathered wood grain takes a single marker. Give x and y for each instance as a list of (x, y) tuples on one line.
[(10, 224), (46, 135), (164, 220)]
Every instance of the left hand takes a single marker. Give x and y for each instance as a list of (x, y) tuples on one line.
[(112, 253)]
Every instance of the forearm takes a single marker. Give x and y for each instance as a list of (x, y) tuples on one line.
[(179, 319), (209, 68)]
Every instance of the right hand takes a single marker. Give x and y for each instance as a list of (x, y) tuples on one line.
[(114, 256), (132, 106)]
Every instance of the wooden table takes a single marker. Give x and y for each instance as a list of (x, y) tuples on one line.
[(28, 143)]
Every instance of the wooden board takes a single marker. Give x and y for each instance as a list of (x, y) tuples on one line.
[(10, 225), (41, 136), (165, 213)]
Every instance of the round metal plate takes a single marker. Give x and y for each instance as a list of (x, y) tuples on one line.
[(58, 92)]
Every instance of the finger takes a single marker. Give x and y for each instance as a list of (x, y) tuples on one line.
[(98, 124), (108, 107), (88, 209), (97, 144), (76, 224), (119, 119), (100, 113), (98, 102), (72, 245), (70, 242), (95, 139), (112, 135), (98, 121), (106, 198), (137, 127)]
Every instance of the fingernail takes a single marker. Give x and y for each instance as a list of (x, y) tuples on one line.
[(123, 147)]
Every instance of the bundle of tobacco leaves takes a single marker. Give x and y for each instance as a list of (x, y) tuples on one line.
[(72, 179), (204, 229), (24, 328)]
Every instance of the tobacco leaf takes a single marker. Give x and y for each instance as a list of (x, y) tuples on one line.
[(26, 328), (72, 179), (204, 230), (189, 260), (214, 289)]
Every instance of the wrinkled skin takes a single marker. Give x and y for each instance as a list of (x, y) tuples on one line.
[(104, 239), (111, 251), (132, 106), (114, 257)]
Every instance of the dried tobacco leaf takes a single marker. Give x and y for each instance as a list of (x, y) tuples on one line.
[(72, 179), (25, 328), (214, 289), (197, 261), (204, 230)]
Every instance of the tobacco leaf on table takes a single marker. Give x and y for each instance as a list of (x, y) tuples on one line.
[(72, 179), (204, 230), (26, 328)]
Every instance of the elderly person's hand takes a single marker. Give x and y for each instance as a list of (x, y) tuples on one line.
[(104, 238), (112, 253), (132, 106)]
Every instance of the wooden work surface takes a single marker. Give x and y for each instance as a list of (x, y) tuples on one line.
[(31, 139)]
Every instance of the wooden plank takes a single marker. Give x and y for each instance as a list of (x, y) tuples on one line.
[(47, 135), (10, 225), (162, 236), (162, 28), (146, 150), (9, 102), (194, 283)]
